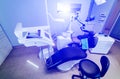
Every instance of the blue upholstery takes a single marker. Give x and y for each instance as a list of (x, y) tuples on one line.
[(91, 70), (64, 55), (105, 63), (92, 41)]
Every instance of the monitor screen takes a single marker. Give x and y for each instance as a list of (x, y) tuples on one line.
[(115, 32)]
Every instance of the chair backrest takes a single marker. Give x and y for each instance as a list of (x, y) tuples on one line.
[(105, 63), (92, 42)]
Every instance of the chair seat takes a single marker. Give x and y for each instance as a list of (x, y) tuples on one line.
[(89, 68), (65, 55)]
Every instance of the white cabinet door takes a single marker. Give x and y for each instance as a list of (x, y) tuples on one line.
[(5, 46)]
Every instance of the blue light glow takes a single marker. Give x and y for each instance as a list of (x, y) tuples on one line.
[(62, 7), (68, 8), (99, 2)]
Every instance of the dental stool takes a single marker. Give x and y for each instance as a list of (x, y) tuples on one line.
[(65, 55), (89, 69)]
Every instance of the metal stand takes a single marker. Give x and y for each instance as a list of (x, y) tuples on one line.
[(45, 52)]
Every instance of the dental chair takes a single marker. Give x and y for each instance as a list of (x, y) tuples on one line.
[(65, 58)]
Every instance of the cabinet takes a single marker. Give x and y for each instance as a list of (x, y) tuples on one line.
[(104, 44), (5, 46)]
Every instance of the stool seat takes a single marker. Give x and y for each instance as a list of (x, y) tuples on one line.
[(89, 68)]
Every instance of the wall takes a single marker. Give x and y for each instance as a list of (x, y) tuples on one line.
[(115, 32), (112, 17), (33, 13), (101, 13), (59, 27), (29, 12)]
